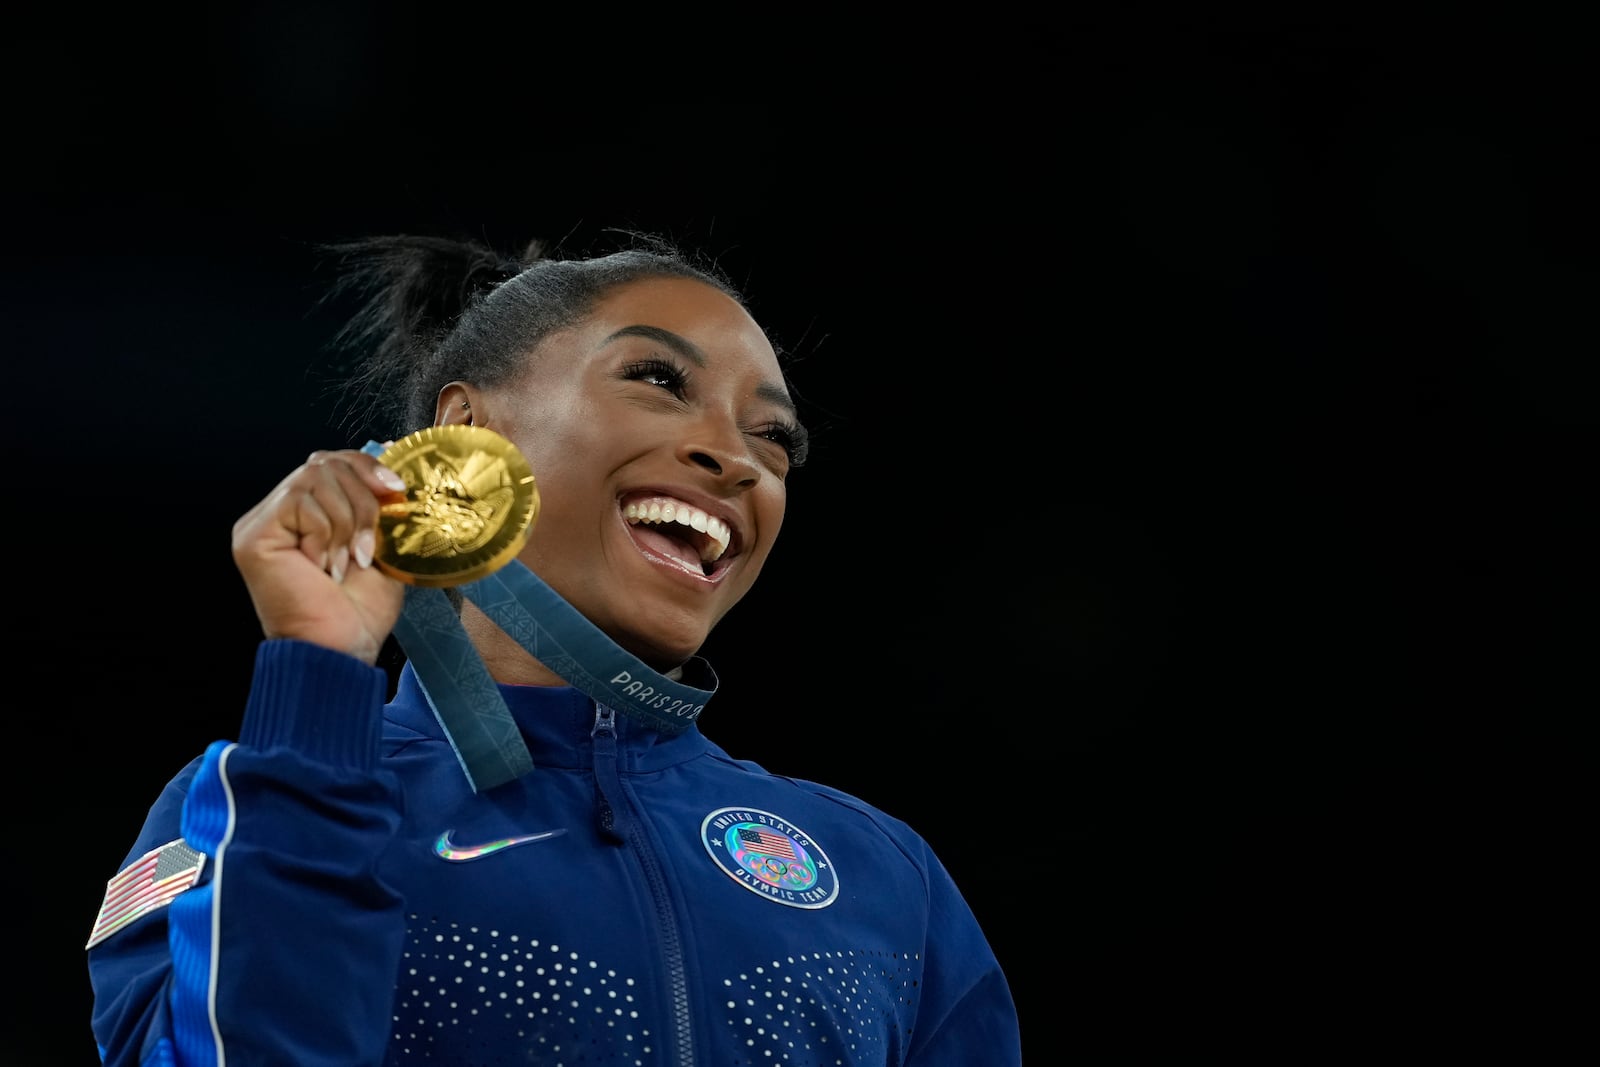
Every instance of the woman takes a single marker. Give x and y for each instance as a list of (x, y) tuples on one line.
[(530, 853)]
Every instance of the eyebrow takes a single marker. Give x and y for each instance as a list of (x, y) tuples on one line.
[(769, 391)]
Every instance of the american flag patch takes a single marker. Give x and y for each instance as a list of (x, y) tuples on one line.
[(150, 882), (770, 843)]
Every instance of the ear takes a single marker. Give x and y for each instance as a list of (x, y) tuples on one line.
[(454, 405)]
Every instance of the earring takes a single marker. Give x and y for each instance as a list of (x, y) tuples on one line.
[(466, 406)]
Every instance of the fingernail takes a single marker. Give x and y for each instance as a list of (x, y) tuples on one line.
[(364, 545), (390, 478), (340, 559)]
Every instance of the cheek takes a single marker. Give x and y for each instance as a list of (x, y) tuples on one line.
[(570, 463), (572, 490), (771, 504), (556, 437)]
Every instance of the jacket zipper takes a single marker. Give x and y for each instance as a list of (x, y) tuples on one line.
[(615, 823)]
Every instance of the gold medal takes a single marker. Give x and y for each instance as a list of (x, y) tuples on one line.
[(470, 505)]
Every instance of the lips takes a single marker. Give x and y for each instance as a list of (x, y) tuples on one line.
[(684, 530)]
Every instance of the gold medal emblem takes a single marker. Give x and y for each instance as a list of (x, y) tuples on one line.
[(470, 505)]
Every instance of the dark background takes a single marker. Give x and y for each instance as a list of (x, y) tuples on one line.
[(1197, 539)]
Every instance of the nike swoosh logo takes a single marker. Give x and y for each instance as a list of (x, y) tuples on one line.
[(446, 848)]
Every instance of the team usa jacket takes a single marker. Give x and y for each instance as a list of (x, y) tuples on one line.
[(329, 890)]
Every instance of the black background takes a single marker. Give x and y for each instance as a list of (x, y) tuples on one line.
[(1197, 537)]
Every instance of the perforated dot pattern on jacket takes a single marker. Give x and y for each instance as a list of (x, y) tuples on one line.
[(487, 997)]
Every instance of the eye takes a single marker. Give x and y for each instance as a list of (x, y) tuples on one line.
[(659, 372), (789, 436)]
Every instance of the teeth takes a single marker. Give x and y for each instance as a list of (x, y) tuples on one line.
[(661, 509)]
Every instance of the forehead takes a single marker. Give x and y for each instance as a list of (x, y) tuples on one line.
[(704, 315)]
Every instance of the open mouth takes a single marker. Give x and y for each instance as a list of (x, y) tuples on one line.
[(685, 533)]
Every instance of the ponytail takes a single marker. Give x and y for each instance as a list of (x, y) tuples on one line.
[(411, 291)]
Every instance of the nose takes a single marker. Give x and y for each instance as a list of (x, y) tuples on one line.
[(730, 462), (735, 468)]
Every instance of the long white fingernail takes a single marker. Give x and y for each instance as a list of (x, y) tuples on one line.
[(365, 545)]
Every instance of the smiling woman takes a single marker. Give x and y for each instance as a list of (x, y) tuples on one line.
[(528, 850)]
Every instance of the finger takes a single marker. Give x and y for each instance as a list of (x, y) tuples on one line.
[(337, 511)]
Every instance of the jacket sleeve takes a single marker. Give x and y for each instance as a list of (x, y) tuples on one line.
[(966, 1014), (285, 947)]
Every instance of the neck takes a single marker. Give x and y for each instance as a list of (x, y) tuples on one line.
[(507, 661)]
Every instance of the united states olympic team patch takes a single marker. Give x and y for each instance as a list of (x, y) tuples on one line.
[(770, 856)]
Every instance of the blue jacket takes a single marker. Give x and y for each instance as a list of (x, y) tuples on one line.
[(637, 899)]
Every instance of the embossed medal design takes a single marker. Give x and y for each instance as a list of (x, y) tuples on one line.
[(470, 505)]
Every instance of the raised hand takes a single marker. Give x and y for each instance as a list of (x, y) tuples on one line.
[(305, 552)]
